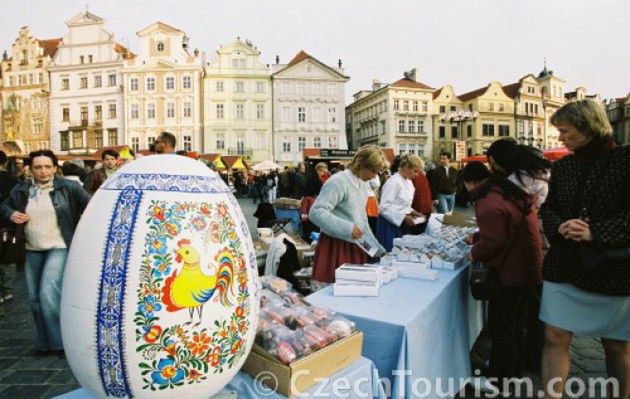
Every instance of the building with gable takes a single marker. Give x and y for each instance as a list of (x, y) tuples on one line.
[(238, 103), (308, 107), (24, 93), (86, 90), (163, 89)]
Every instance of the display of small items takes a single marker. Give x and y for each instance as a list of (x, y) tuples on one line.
[(290, 328), (447, 243)]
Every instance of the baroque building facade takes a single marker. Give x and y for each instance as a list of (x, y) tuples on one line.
[(238, 103), (163, 89), (308, 107), (24, 93), (86, 91)]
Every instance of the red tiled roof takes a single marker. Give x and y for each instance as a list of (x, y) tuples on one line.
[(511, 90), (437, 93), (50, 46), (410, 84), (301, 56), (472, 94), (127, 54), (210, 157)]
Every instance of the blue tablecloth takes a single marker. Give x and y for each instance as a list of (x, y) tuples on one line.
[(293, 214), (420, 327), (359, 380)]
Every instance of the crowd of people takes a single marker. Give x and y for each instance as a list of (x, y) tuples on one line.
[(541, 229)]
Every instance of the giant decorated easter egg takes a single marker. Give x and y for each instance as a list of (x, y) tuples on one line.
[(159, 296)]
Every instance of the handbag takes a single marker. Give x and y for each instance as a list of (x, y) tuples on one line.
[(12, 245)]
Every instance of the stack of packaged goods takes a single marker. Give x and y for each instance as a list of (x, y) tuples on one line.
[(362, 280)]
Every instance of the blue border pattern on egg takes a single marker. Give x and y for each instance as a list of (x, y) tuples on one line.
[(166, 182), (109, 317)]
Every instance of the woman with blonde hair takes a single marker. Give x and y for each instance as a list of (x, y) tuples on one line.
[(397, 217), (339, 211), (585, 217)]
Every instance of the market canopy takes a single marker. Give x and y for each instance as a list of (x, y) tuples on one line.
[(266, 166), (556, 153), (215, 159), (234, 162)]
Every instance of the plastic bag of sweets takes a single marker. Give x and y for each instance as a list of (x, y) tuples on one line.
[(268, 297), (338, 325)]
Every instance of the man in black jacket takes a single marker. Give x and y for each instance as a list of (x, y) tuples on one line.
[(7, 270), (444, 184)]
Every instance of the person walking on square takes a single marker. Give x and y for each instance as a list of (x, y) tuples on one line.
[(587, 212), (50, 208), (165, 143), (445, 184), (339, 211), (7, 270)]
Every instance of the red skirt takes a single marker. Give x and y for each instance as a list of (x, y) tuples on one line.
[(331, 253)]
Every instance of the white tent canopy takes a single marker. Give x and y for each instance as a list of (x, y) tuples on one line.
[(265, 166)]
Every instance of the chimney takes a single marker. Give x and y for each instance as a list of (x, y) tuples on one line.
[(413, 74), (196, 52), (376, 84), (277, 59), (340, 64)]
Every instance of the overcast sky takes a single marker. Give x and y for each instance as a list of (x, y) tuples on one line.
[(464, 43)]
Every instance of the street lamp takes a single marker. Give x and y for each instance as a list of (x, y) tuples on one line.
[(459, 117)]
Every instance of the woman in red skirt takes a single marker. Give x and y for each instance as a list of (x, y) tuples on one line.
[(339, 211)]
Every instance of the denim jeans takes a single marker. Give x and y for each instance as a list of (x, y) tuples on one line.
[(44, 274), (446, 203)]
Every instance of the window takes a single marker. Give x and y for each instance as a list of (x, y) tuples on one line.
[(240, 144), (469, 130), (425, 107), (135, 144), (111, 80), (150, 141), (90, 58), (501, 107), (65, 141), (83, 84), (240, 111), (317, 142), (84, 116), (412, 149), (332, 142), (188, 143), (112, 111), (442, 131), (421, 127), (260, 87), (151, 111), (187, 109), (133, 84), (402, 148), (504, 130), (220, 141), (170, 110), (170, 83), (41, 78), (453, 132), (442, 109), (487, 130), (396, 105), (401, 126), (160, 47), (302, 114), (453, 108), (260, 111), (98, 112), (81, 59), (286, 144), (135, 113), (415, 105), (65, 84), (491, 106), (187, 82), (412, 126), (239, 87), (150, 84), (301, 143), (98, 81), (332, 115), (112, 136), (220, 111), (219, 86), (77, 139), (405, 105)]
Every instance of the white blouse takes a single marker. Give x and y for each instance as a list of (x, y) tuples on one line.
[(396, 199)]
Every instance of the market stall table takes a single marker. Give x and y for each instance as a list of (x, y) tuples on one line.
[(425, 328), (359, 380)]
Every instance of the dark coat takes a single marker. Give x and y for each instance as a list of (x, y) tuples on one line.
[(599, 180), (7, 182), (68, 197), (443, 184)]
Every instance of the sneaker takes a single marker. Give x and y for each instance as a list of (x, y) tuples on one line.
[(7, 297)]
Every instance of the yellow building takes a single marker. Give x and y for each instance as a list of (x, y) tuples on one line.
[(529, 107), (162, 89), (24, 93), (448, 119)]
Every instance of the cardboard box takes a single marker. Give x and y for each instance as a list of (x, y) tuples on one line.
[(305, 372), (352, 272), (459, 219), (356, 288)]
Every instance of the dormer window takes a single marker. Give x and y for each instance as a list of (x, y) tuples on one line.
[(160, 47)]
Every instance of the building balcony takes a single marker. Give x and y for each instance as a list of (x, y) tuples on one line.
[(246, 152), (412, 134), (411, 113)]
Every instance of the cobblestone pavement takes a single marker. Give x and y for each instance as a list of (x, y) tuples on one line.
[(23, 375)]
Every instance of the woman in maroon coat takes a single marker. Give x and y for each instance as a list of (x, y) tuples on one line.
[(508, 241)]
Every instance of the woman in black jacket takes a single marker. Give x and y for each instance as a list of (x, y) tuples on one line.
[(588, 207), (50, 208)]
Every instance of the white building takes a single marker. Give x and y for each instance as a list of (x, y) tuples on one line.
[(308, 102), (237, 102), (163, 89), (86, 95), (396, 115)]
